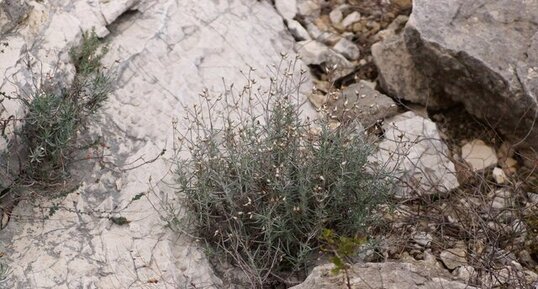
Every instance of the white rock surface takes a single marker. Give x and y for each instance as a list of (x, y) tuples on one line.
[(309, 8), (314, 52), (347, 48), (164, 54), (387, 275), (351, 18), (413, 150), (479, 155), (453, 258), (298, 31), (113, 9), (286, 8), (499, 175), (336, 16), (324, 37)]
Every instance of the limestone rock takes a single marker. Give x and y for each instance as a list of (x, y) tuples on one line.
[(164, 55), (8, 68), (413, 150), (325, 37), (465, 272), (453, 258), (502, 199), (478, 155), (423, 239), (309, 8), (313, 30), (12, 12), (483, 54), (351, 18), (286, 8), (314, 52), (40, 48), (398, 75), (298, 31), (499, 176), (510, 276), (362, 102), (388, 275), (336, 16), (498, 203), (347, 48), (111, 10)]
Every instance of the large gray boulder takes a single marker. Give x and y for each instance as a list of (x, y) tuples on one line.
[(483, 54), (398, 75)]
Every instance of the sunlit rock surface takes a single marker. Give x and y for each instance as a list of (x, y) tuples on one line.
[(163, 54)]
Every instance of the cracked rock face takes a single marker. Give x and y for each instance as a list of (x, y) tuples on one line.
[(388, 275), (483, 54), (163, 53)]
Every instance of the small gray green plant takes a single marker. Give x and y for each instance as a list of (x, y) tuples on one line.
[(261, 182), (57, 113)]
